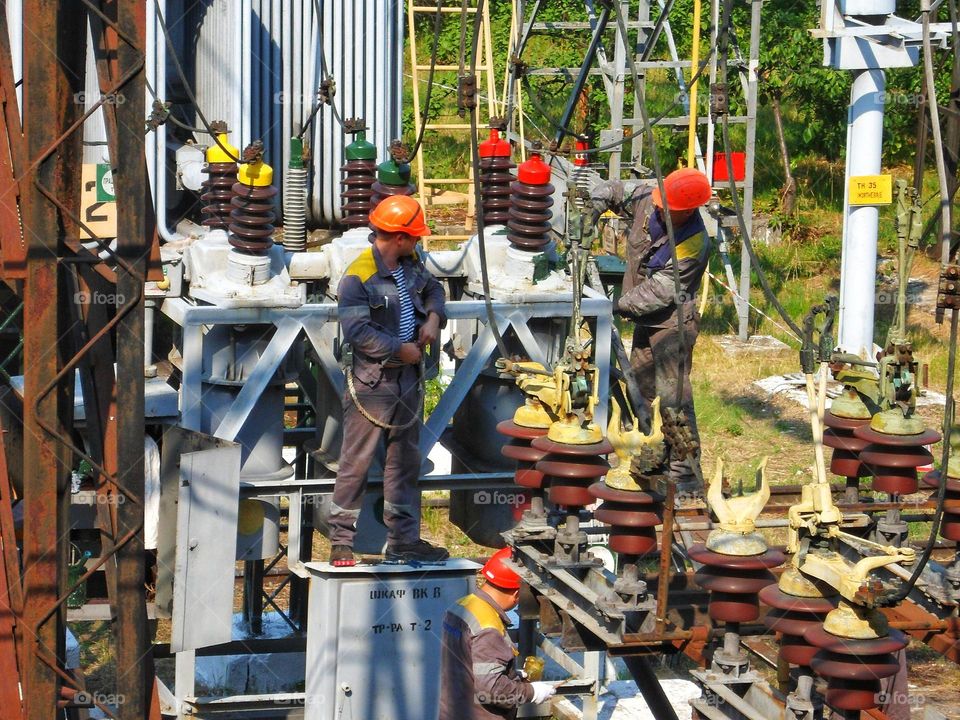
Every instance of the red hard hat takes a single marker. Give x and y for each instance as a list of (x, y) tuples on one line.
[(686, 189), (497, 573), (399, 213)]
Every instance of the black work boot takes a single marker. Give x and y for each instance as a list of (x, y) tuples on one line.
[(417, 551)]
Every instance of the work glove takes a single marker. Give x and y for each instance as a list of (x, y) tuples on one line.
[(542, 691)]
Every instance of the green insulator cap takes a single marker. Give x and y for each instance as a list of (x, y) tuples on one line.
[(361, 148), (392, 173), (296, 153)]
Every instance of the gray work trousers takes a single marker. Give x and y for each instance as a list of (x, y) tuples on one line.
[(394, 400), (657, 370)]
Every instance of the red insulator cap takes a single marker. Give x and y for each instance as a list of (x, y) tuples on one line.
[(534, 171), (580, 158), (495, 146)]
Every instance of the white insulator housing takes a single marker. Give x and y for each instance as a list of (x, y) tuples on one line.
[(295, 210)]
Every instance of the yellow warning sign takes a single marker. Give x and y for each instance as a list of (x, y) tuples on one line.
[(871, 189)]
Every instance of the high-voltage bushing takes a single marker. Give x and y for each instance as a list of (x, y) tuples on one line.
[(797, 604), (950, 525), (251, 220), (393, 176), (221, 171), (846, 414), (359, 174), (495, 178), (529, 422), (295, 199), (581, 171), (632, 515), (569, 470), (856, 649), (893, 456), (531, 197)]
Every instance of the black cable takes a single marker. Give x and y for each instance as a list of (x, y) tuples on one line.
[(433, 66), (668, 220), (478, 199), (734, 193), (186, 85), (327, 78)]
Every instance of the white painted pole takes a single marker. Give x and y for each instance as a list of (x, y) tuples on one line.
[(859, 260)]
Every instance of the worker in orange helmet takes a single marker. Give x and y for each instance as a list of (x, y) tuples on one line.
[(479, 677), (649, 297), (391, 308)]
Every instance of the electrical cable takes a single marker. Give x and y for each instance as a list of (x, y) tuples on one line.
[(327, 78), (433, 66), (734, 193), (186, 85), (666, 215), (478, 200), (946, 232)]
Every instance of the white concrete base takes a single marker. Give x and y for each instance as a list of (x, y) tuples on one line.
[(622, 701)]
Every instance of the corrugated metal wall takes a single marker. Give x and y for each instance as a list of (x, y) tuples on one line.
[(256, 64)]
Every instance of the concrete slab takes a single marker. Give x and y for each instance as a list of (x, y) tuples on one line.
[(733, 345), (622, 701)]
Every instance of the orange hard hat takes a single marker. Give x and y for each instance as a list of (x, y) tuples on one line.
[(399, 213), (686, 189), (497, 573)]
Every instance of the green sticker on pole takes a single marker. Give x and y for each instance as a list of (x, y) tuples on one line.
[(105, 184), (871, 190)]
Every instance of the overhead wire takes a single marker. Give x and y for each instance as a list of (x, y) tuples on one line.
[(433, 66), (323, 98)]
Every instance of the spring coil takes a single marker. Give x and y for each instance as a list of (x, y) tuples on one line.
[(251, 220), (217, 194), (359, 176), (295, 210)]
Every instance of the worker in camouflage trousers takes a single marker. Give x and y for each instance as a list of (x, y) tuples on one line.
[(391, 308), (658, 363), (479, 676)]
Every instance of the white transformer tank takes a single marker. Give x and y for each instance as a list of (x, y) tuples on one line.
[(373, 638)]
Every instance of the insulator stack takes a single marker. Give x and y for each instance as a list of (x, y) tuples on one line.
[(950, 525), (520, 449), (854, 667), (846, 446), (893, 459), (581, 172), (632, 516), (734, 581), (393, 178), (359, 176), (531, 197), (295, 200), (251, 220), (495, 179), (221, 171), (792, 615), (569, 469)]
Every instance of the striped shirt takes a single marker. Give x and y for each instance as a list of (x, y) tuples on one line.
[(408, 320)]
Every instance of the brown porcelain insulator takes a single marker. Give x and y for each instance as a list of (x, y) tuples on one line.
[(495, 180), (792, 616), (519, 449), (251, 220), (632, 516), (854, 668), (734, 581), (383, 190), (529, 216), (893, 459), (846, 446), (217, 193), (358, 180), (569, 470), (950, 525)]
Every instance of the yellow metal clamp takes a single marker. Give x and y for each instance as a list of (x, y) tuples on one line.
[(628, 444), (737, 532)]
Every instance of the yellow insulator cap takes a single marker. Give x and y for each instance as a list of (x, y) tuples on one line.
[(257, 174), (216, 154)]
